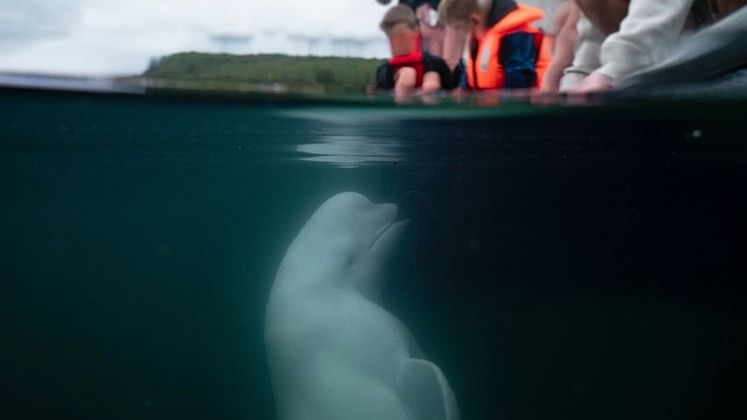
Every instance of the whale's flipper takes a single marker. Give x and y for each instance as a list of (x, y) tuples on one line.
[(425, 392)]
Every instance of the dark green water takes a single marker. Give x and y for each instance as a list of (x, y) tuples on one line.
[(566, 262)]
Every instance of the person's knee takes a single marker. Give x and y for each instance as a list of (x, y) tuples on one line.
[(455, 38)]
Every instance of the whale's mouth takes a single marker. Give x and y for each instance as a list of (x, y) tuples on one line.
[(382, 233)]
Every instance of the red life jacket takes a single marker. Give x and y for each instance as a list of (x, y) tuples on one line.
[(484, 70), (414, 60)]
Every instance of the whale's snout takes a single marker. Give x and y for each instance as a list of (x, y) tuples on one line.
[(392, 223), (370, 225)]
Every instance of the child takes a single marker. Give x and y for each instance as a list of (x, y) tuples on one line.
[(409, 68), (443, 41), (433, 34), (506, 49)]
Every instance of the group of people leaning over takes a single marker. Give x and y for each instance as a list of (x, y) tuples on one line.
[(594, 45)]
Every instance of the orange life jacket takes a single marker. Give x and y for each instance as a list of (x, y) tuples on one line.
[(484, 70), (414, 60)]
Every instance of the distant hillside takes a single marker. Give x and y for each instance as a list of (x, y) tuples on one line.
[(265, 72)]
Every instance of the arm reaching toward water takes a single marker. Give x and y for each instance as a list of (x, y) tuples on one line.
[(646, 35)]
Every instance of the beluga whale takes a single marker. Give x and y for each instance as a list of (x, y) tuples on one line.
[(334, 352)]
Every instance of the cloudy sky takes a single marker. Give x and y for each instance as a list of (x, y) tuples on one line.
[(108, 37)]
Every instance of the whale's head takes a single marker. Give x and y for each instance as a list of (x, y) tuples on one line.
[(346, 241)]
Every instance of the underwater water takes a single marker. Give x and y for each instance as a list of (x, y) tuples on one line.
[(561, 261)]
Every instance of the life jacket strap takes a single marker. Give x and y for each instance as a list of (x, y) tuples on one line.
[(414, 60)]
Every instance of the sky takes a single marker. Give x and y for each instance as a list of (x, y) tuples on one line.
[(117, 37)]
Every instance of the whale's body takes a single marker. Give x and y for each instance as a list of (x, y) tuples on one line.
[(334, 352)]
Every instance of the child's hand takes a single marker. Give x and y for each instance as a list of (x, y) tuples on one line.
[(595, 82)]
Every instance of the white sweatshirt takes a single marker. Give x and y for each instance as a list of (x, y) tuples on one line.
[(647, 35)]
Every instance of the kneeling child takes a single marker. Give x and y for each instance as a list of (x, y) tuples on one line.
[(410, 68)]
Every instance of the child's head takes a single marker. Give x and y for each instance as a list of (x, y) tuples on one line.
[(401, 27), (468, 14), (460, 13)]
